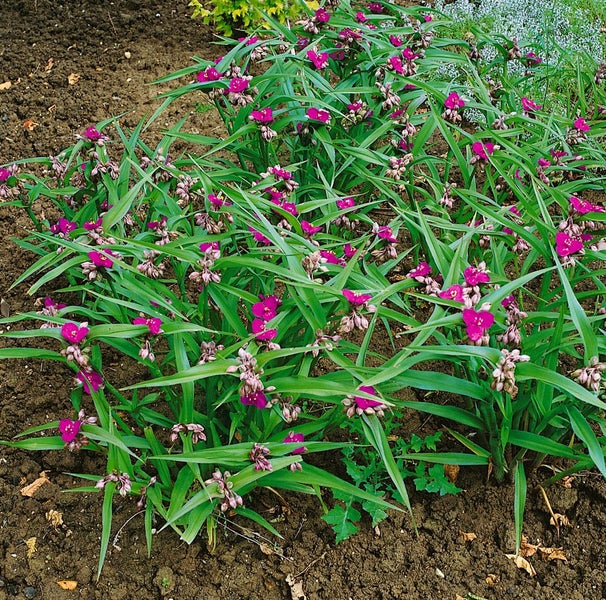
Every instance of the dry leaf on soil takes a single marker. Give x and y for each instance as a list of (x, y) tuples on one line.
[(31, 546), (32, 488), (73, 78), (49, 65), (492, 579), (559, 520), (526, 548), (296, 588), (452, 472), (467, 537), (54, 517), (522, 563), (553, 554), (67, 584), (5, 85)]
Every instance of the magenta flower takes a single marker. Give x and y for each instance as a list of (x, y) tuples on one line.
[(93, 135), (529, 105), (295, 438), (583, 206), (258, 399), (4, 175), (69, 430), (267, 308), (395, 63), (331, 258), (532, 59), (206, 246), (217, 201), (318, 114), (322, 16), (320, 61), (566, 245), (73, 333), (92, 225), (209, 74), (482, 149), (153, 324), (396, 41), (237, 85), (348, 202), (309, 229), (454, 292), (349, 251), (375, 7), (364, 403), (361, 17), (408, 54), (262, 334), (90, 380), (454, 101), (581, 125), (421, 270), (63, 225), (259, 237), (544, 163), (263, 116), (477, 322), (52, 305), (474, 276), (101, 260), (385, 233), (356, 299)]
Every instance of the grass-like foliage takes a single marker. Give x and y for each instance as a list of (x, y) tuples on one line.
[(349, 241)]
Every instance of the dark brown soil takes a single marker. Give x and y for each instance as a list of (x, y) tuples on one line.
[(92, 39)]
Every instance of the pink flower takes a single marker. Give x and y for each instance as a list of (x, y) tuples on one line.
[(482, 149), (474, 276), (101, 260), (544, 163), (331, 258), (153, 324), (92, 225), (320, 61), (4, 175), (427, 18), (530, 105), (454, 292), (364, 403), (454, 101), (361, 17), (258, 399), (206, 246), (322, 16), (69, 429), (209, 74), (318, 114), (395, 40), (295, 438), (581, 125), (375, 7), (262, 334), (408, 54), (348, 202), (93, 135), (264, 115), (385, 233), (73, 333), (237, 85), (583, 206), (566, 245), (309, 229), (533, 59), (259, 237), (356, 299), (349, 251), (90, 380), (267, 308), (395, 63), (63, 226), (477, 322), (421, 270)]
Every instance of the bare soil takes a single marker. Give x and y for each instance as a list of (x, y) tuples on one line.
[(117, 48)]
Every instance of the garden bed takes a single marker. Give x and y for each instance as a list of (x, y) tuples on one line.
[(71, 65)]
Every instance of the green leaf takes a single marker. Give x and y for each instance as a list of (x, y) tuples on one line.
[(341, 520)]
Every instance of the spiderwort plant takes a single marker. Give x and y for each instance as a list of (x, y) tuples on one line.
[(350, 201)]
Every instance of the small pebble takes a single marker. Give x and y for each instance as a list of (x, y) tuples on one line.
[(29, 592), (439, 573)]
